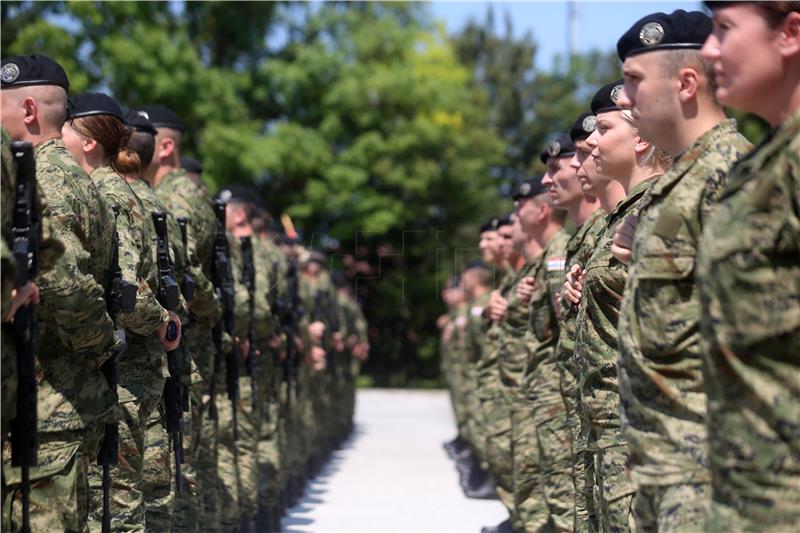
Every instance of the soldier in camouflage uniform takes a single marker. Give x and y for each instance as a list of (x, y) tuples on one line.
[(76, 334), (492, 390), (749, 278), (545, 225), (96, 118), (588, 217), (660, 376), (549, 412), (183, 199), (622, 156)]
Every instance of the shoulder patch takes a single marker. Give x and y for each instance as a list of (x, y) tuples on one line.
[(476, 311)]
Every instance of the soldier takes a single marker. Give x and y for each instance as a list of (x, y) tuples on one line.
[(187, 506), (453, 298), (183, 199), (543, 294), (589, 218), (96, 136), (662, 398), (77, 335), (749, 277), (194, 171), (622, 155)]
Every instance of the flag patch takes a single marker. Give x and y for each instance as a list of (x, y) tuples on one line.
[(556, 263)]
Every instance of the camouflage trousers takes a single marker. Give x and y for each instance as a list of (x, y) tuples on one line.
[(126, 495), (585, 518), (555, 446), (204, 450), (671, 508), (269, 438), (498, 452), (612, 489), (237, 463), (186, 514), (528, 495), (158, 485), (59, 496)]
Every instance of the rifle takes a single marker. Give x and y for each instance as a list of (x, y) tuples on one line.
[(223, 286), (249, 277), (169, 298), (324, 313), (120, 298), (27, 235), (290, 313), (187, 289)]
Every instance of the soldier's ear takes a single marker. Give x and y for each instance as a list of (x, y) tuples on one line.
[(790, 35), (166, 148), (31, 108), (690, 84)]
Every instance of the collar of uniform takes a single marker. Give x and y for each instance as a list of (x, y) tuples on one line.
[(777, 141), (579, 236), (633, 196), (687, 159), (41, 147)]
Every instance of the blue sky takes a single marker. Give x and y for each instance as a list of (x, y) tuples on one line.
[(599, 24)]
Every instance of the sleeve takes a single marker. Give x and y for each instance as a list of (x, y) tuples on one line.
[(138, 266)]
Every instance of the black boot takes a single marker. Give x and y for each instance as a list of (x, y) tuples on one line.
[(480, 485), (276, 521), (502, 527), (454, 447)]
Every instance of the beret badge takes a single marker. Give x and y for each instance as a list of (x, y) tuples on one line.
[(615, 92), (554, 149), (589, 124), (651, 34), (525, 189), (10, 73)]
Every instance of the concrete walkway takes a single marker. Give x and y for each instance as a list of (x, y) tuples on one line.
[(392, 474)]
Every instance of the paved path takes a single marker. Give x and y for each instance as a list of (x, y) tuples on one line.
[(392, 474)]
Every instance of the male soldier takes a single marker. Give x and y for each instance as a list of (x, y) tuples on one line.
[(543, 223), (502, 304), (453, 297), (356, 341), (143, 368), (588, 217), (77, 335), (187, 506), (240, 204), (671, 94), (543, 293), (183, 199), (272, 451)]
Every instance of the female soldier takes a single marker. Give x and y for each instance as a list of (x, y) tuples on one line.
[(749, 277)]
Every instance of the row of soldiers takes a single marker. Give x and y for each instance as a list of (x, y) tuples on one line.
[(170, 361), (637, 367)]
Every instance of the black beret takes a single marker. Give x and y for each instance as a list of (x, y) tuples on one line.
[(191, 165), (238, 192), (476, 263), (19, 71), (606, 98), (583, 127), (503, 220), (315, 256), (529, 189), (680, 30), (88, 104), (161, 116), (139, 121), (489, 225), (562, 146)]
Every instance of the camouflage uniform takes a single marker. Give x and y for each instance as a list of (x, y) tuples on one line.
[(8, 182), (662, 398), (749, 279), (186, 509), (579, 248), (471, 346), (142, 369), (549, 414), (495, 405), (76, 337), (183, 198), (596, 357)]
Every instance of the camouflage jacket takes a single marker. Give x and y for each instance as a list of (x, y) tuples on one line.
[(661, 386), (596, 336), (545, 311), (487, 368), (184, 199), (515, 336), (76, 333), (749, 279), (579, 247), (73, 307)]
